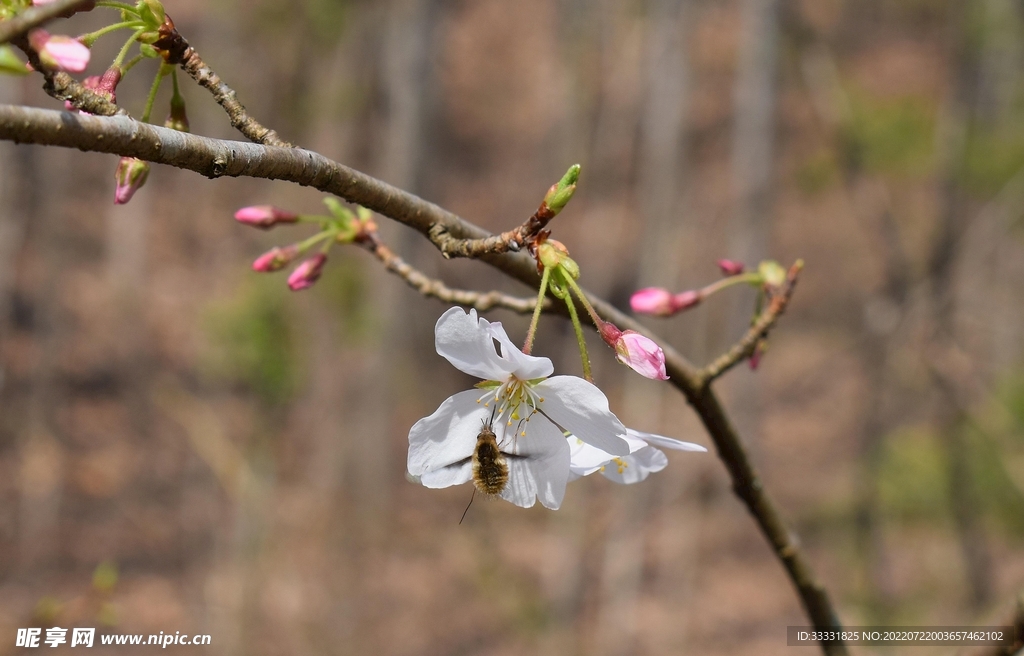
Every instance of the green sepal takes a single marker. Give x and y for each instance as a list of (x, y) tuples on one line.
[(151, 11), (772, 273), (9, 62), (561, 192), (338, 210)]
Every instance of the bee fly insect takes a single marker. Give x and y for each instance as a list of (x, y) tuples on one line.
[(490, 469)]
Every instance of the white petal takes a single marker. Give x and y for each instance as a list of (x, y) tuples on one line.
[(582, 409), (634, 442), (664, 442), (524, 367), (457, 474), (449, 435), (635, 467), (466, 342), (538, 465), (585, 459)]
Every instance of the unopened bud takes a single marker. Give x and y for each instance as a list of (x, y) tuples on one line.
[(102, 85), (131, 174), (177, 119), (772, 273), (109, 81), (152, 11), (553, 254), (641, 354), (264, 216), (307, 273), (60, 53), (730, 267), (276, 258), (561, 192), (652, 300)]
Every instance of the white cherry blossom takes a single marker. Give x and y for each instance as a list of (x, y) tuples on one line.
[(642, 461), (529, 412)]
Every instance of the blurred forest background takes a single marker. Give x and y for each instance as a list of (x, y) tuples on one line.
[(185, 445)]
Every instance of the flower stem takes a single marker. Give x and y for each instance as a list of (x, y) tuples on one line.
[(127, 66), (532, 332), (128, 44), (91, 37), (123, 6), (160, 74), (719, 285), (312, 241), (583, 299), (176, 95), (579, 337)]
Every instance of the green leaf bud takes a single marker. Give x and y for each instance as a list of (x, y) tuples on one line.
[(561, 192)]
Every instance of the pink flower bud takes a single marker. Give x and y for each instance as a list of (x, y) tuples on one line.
[(109, 81), (60, 53), (652, 300), (102, 85), (307, 273), (264, 216), (686, 300), (730, 267), (131, 174), (641, 355), (276, 258)]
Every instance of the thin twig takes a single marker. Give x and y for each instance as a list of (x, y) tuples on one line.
[(214, 158), (19, 25), (178, 52), (62, 86), (759, 330), (428, 286), (511, 240)]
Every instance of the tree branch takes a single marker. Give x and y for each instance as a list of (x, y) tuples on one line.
[(511, 240), (214, 158), (62, 86), (19, 25), (758, 330), (179, 53), (428, 286)]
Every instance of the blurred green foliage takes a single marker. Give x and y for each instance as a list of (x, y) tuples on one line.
[(994, 154), (323, 21), (818, 172), (253, 341), (894, 136), (1001, 496), (104, 577), (344, 287), (912, 476)]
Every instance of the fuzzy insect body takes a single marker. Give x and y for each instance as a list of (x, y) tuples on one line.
[(490, 469)]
